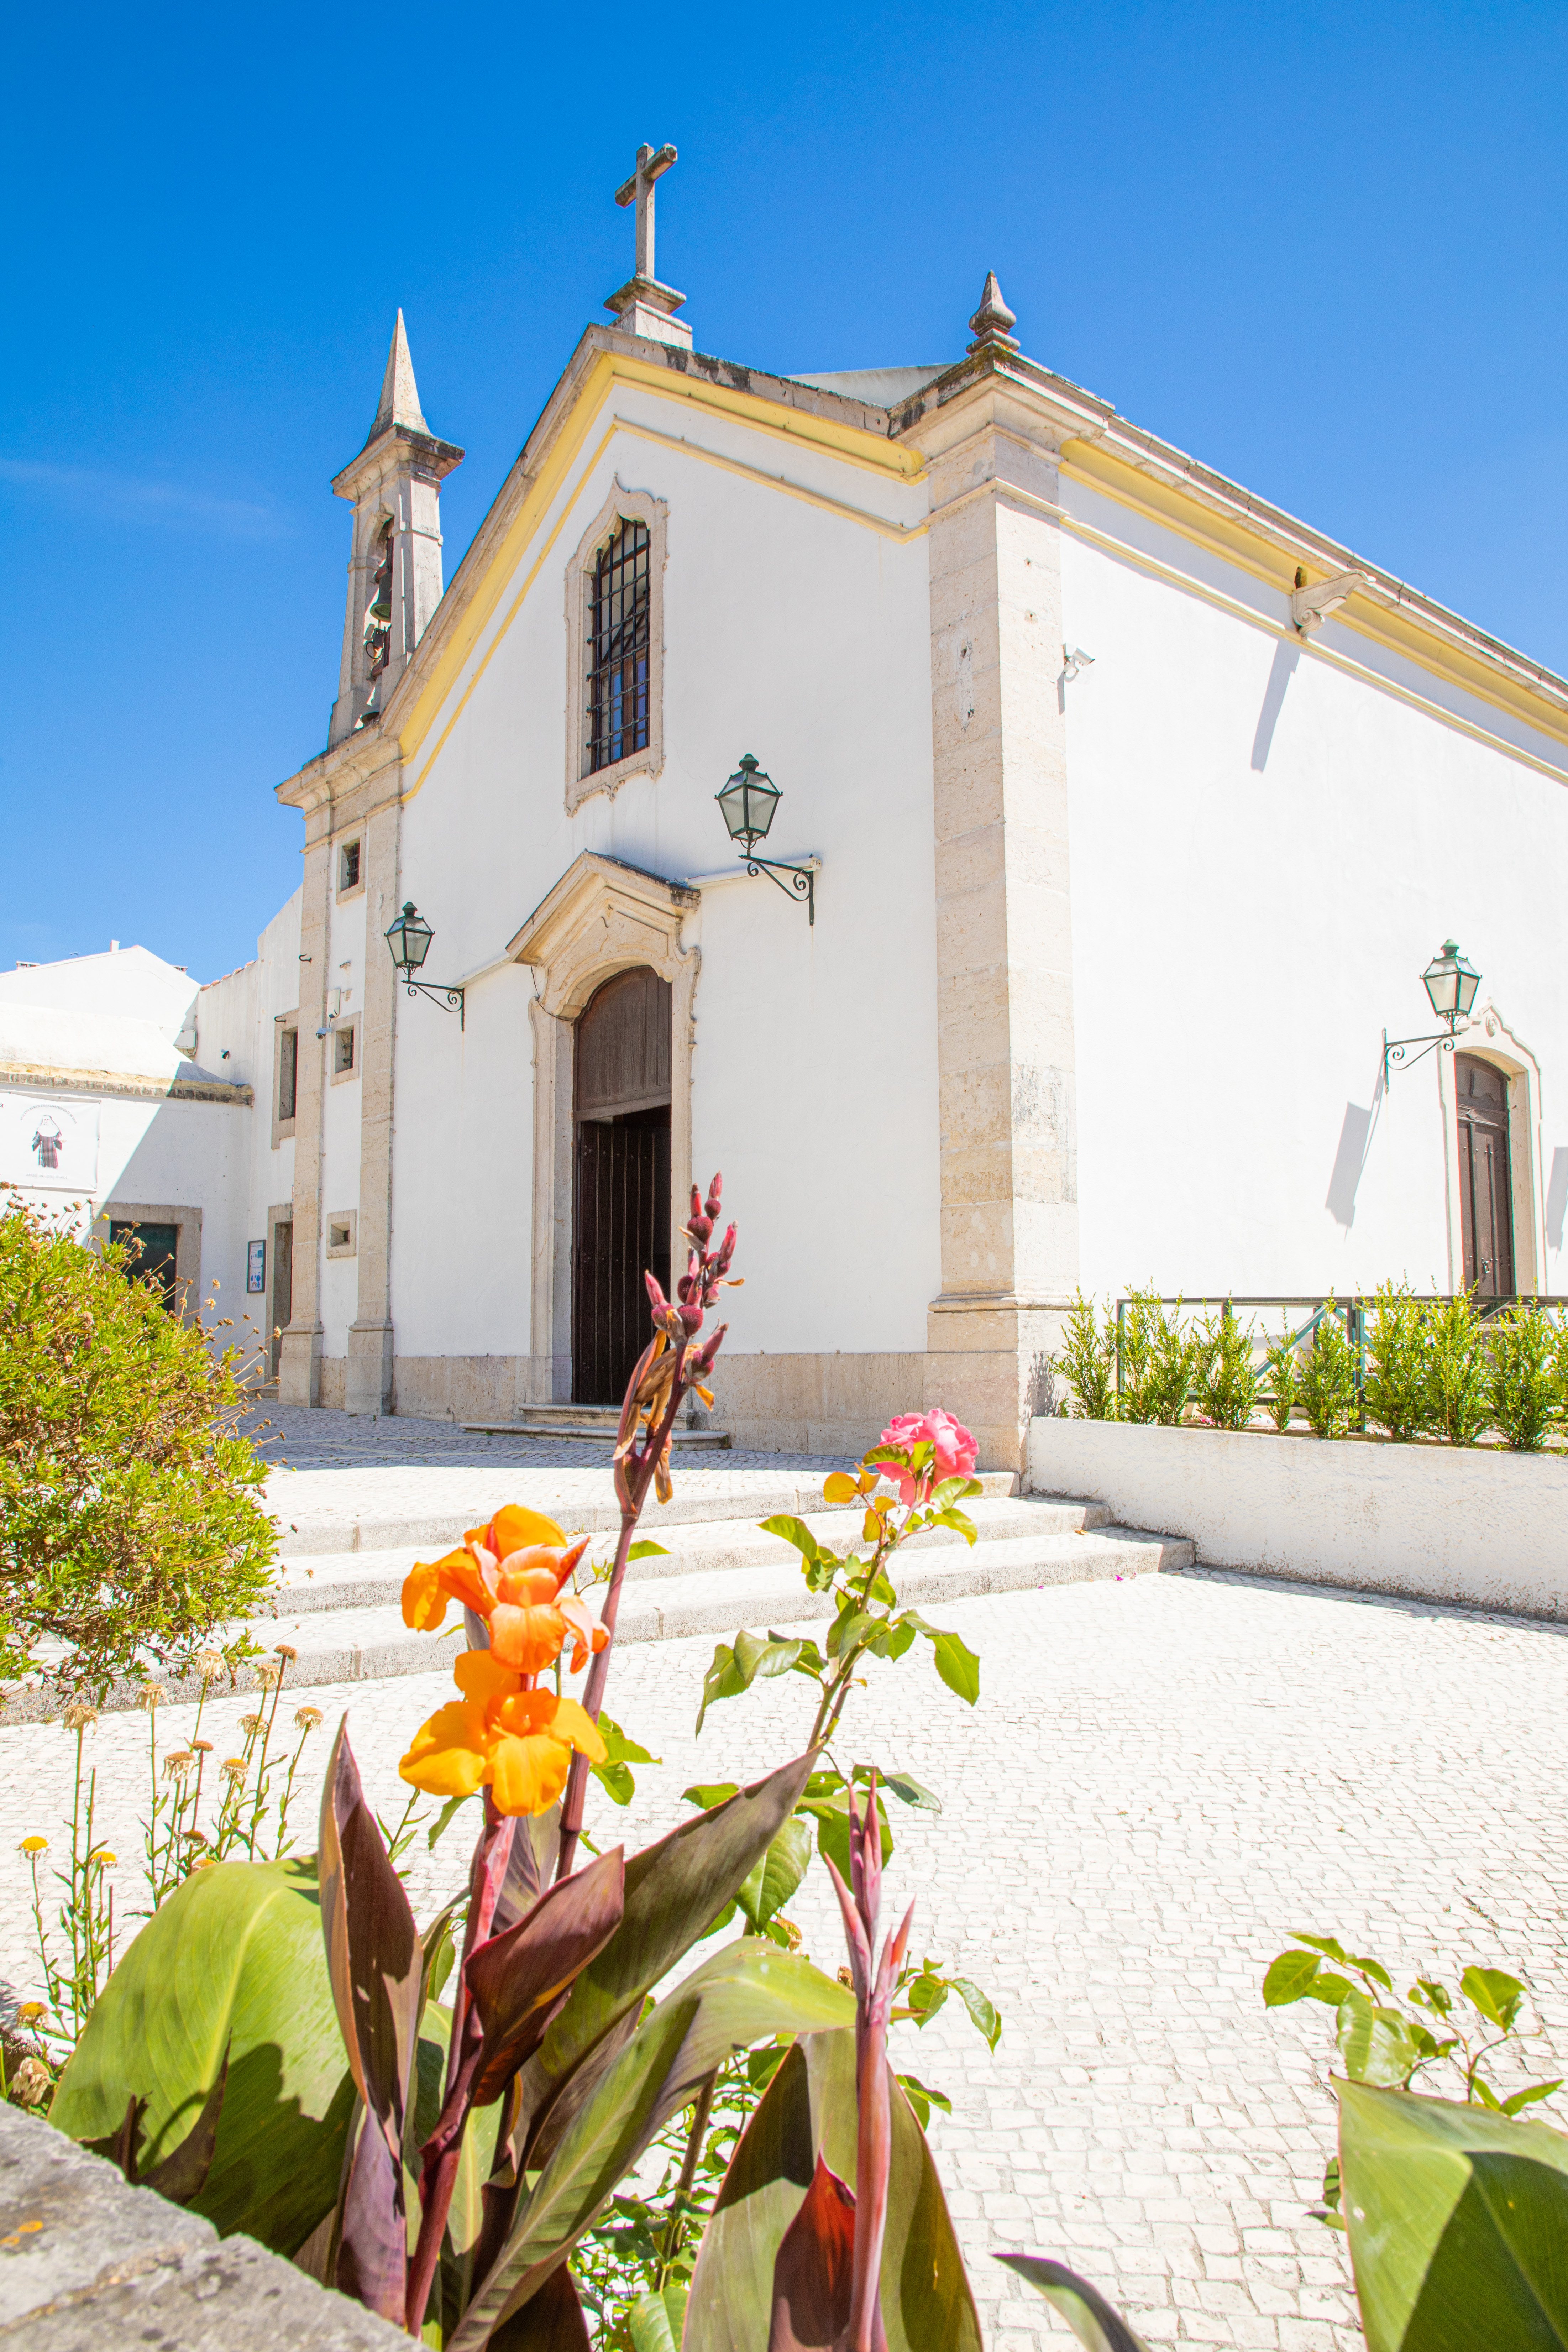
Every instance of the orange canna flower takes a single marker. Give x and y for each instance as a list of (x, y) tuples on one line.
[(502, 1735)]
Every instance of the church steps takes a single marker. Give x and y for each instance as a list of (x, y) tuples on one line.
[(304, 1531), (345, 1623), (323, 1581)]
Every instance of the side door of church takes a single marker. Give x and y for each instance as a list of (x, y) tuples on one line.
[(621, 1179), (1486, 1190)]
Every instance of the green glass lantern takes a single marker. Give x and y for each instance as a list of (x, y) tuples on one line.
[(409, 938), (748, 801), (1451, 983)]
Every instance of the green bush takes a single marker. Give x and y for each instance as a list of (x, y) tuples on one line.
[(1158, 1364), (1328, 1378), (129, 1523), (1089, 1360), (1284, 1365), (1455, 1405), (1397, 1386), (1522, 1390), (1223, 1382)]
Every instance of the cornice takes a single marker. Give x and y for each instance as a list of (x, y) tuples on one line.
[(343, 768)]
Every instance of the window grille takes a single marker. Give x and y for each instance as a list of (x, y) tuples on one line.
[(618, 649), (344, 1060), (347, 877)]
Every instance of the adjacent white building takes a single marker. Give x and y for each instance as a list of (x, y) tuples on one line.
[(1132, 809)]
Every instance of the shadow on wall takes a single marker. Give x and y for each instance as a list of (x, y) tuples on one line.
[(1286, 658), (1350, 1160), (1557, 1197)]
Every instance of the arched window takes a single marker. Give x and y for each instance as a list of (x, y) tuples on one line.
[(1486, 1183), (618, 642)]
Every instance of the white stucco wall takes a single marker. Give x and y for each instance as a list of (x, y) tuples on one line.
[(801, 635), (1265, 851)]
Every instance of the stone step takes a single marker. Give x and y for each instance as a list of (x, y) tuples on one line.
[(353, 1579), (305, 1530), (599, 1424), (372, 1645)]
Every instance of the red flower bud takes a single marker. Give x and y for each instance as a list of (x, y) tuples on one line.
[(726, 1251), (714, 1190), (700, 1228), (703, 1360), (696, 1201), (692, 1317), (685, 1287), (656, 1296)]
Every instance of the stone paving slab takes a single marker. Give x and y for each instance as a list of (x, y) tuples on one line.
[(1163, 1778)]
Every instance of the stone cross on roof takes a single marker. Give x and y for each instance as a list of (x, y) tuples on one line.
[(643, 305)]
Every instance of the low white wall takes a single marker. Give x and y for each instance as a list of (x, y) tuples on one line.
[(1485, 1528)]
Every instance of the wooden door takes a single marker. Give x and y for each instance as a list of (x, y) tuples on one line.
[(1486, 1190), (621, 1179), (282, 1288)]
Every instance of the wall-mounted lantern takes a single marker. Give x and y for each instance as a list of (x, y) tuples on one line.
[(748, 801), (1451, 985), (409, 940)]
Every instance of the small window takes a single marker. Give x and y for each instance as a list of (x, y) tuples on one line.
[(342, 1232), (152, 1252), (618, 640), (343, 1052), (348, 867), (288, 1072)]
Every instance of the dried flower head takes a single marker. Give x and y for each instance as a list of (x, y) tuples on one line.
[(251, 1724), (210, 1664), (79, 1717), (285, 1650), (267, 1671), (178, 1763), (202, 1747), (195, 1837), (307, 1718), (34, 1845), (32, 2012), (203, 1862), (31, 2081), (233, 1767), (151, 1696)]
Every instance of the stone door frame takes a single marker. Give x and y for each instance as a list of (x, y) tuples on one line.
[(601, 918)]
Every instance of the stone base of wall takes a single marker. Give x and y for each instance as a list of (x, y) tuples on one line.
[(334, 1376), (458, 1388), (1459, 1524), (815, 1404)]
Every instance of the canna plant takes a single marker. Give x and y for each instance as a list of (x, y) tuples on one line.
[(446, 2173)]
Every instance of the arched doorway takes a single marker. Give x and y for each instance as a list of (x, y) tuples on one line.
[(1486, 1186), (620, 1220)]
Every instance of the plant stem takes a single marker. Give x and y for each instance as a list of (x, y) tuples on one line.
[(684, 2186)]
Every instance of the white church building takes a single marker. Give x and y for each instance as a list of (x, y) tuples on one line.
[(1119, 815)]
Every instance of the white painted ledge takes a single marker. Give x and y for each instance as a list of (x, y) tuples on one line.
[(1483, 1529)]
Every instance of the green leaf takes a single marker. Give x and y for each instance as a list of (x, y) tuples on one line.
[(793, 1531), (1432, 1995), (742, 1994), (774, 1879), (959, 1521), (808, 2109), (1093, 2321), (645, 1548), (674, 1890), (1329, 1988), (958, 1665), (616, 1780), (893, 1640), (1290, 1978), (1330, 1945), (982, 2012), (831, 1815), (738, 1664), (1457, 2221), (1496, 1994), (909, 1791), (708, 1793), (243, 1943), (922, 2098), (1376, 2043), (654, 2321), (1373, 1969), (1527, 2098), (444, 1821), (623, 1750), (848, 1629)]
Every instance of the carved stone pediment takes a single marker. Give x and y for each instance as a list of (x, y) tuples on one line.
[(601, 918)]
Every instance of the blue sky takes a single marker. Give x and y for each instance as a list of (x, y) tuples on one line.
[(1321, 247)]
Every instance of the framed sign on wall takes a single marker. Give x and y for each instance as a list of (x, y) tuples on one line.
[(256, 1266)]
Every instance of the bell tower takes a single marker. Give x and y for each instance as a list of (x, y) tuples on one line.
[(394, 566)]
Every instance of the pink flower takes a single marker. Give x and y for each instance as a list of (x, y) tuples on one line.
[(951, 1455)]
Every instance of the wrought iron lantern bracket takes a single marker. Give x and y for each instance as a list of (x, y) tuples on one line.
[(1393, 1054), (408, 937), (449, 999), (802, 883)]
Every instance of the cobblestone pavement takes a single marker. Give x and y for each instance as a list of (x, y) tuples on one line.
[(315, 1438), (1162, 1779)]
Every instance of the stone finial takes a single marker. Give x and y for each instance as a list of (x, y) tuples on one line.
[(993, 323), (399, 403)]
